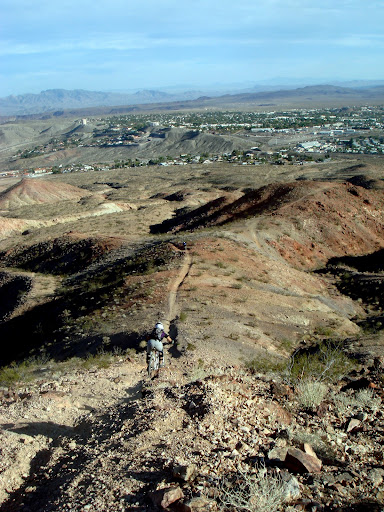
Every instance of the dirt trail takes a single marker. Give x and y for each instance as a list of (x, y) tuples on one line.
[(172, 310), (58, 405), (253, 232)]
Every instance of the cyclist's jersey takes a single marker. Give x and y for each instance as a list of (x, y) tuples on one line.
[(159, 334)]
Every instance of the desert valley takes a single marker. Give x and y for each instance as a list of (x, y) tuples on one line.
[(256, 236)]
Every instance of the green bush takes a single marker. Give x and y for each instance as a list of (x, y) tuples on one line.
[(324, 362), (9, 376), (99, 360), (183, 316), (266, 364)]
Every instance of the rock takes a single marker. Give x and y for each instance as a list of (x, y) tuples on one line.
[(280, 390), (376, 476), (362, 416), (344, 478), (307, 448), (300, 462), (353, 425), (186, 473), (292, 489), (202, 504), (165, 497), (323, 409), (278, 453)]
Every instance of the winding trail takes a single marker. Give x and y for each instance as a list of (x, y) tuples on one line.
[(173, 289)]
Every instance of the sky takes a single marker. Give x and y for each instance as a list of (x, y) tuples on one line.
[(128, 45)]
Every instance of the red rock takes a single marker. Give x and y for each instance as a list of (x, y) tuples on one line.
[(165, 497), (300, 462)]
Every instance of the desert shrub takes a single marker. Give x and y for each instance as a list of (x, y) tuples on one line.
[(21, 372), (99, 360), (310, 393), (343, 403), (266, 364), (324, 331), (324, 362), (9, 376), (363, 399), (367, 399), (260, 492), (183, 316)]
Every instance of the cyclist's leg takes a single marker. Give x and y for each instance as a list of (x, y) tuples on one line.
[(150, 347), (159, 347), (154, 344)]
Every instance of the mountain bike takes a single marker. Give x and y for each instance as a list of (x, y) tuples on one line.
[(153, 363)]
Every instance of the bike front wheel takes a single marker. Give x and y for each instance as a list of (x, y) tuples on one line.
[(153, 363)]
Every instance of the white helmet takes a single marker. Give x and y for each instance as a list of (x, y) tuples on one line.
[(159, 325)]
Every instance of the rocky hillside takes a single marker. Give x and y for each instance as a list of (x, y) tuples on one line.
[(196, 438), (271, 398), (305, 222), (32, 191)]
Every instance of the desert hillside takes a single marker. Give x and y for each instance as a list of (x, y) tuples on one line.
[(269, 281), (32, 191)]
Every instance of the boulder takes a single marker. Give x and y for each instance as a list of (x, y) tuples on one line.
[(298, 461), (292, 487), (202, 504), (354, 425), (165, 497), (186, 473)]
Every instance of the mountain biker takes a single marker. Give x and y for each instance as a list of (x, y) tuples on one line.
[(156, 339)]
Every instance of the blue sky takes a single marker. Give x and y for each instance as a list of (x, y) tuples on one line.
[(125, 44)]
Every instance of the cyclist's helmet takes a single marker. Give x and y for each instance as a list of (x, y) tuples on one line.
[(159, 325)]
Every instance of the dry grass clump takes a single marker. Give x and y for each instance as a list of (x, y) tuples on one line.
[(259, 492), (310, 393), (365, 399)]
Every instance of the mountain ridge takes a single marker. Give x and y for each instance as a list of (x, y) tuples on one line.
[(54, 99)]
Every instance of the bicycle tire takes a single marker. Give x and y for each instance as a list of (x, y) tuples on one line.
[(154, 363)]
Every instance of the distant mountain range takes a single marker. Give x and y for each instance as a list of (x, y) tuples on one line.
[(62, 100), (57, 99)]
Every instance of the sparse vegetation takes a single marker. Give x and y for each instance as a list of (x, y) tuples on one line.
[(325, 361), (253, 492), (266, 364), (183, 316), (310, 393)]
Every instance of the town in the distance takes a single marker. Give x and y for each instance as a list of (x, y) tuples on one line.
[(290, 137)]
